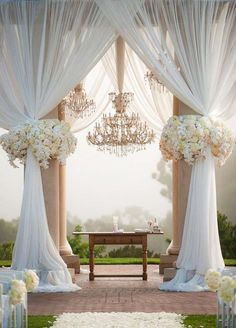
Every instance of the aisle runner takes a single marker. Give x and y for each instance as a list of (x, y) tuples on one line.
[(119, 320)]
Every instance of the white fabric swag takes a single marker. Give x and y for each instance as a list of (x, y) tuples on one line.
[(201, 73), (47, 47), (153, 106), (97, 86)]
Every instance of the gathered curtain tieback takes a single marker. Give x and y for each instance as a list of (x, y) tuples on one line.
[(187, 137), (48, 139)]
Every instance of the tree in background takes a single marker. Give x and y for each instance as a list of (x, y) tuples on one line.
[(129, 251), (6, 251), (226, 188), (164, 176), (8, 230), (227, 232), (82, 248)]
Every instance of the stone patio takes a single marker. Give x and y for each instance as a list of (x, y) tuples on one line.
[(122, 295)]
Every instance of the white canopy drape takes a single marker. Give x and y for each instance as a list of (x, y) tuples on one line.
[(201, 73), (47, 47), (97, 86), (153, 106)]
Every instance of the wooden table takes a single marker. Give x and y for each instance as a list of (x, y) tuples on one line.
[(116, 238)]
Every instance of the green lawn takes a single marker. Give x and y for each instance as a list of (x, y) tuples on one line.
[(193, 321), (107, 260), (41, 321), (196, 321), (124, 260)]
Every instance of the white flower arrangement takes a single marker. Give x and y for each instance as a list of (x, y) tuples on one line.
[(31, 280), (17, 292), (225, 285), (48, 139), (213, 279), (188, 136)]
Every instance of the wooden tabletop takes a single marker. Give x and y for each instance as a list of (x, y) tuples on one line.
[(117, 233)]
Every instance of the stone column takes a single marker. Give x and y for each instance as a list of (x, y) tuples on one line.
[(50, 180), (181, 174), (66, 253), (64, 246)]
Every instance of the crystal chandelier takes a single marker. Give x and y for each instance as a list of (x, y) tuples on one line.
[(76, 104), (153, 81), (121, 133)]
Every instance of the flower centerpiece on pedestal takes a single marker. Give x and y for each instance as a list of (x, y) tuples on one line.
[(48, 139), (187, 137)]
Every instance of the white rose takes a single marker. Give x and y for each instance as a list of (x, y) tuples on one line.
[(213, 279), (31, 280), (17, 292)]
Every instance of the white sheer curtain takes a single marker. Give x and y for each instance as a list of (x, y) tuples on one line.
[(47, 47), (153, 106), (202, 74), (97, 86)]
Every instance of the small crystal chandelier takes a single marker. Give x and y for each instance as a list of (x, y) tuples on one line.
[(121, 133), (76, 104), (153, 81)]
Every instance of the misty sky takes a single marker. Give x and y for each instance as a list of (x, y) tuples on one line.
[(97, 183)]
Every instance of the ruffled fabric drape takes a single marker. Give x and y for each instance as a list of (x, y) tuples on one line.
[(202, 73), (47, 47)]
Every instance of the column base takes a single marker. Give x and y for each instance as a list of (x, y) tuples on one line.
[(65, 250), (173, 250), (169, 274), (167, 261), (72, 261)]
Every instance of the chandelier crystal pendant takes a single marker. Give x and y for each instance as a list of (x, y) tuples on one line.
[(76, 104), (153, 81), (121, 133)]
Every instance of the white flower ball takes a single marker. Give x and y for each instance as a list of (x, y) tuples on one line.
[(17, 292), (31, 280), (213, 279)]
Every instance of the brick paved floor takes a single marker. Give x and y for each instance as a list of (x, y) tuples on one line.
[(122, 295)]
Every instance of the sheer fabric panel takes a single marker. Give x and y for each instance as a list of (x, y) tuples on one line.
[(202, 73), (47, 47), (203, 34), (97, 86), (153, 106)]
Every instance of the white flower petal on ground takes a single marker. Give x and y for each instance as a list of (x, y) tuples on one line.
[(119, 320)]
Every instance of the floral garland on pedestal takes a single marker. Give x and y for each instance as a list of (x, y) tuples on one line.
[(48, 139), (187, 137)]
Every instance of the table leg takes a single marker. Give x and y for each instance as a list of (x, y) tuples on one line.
[(91, 258), (145, 258)]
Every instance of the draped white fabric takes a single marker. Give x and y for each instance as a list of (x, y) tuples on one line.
[(201, 73), (47, 47), (97, 86), (203, 36), (153, 106)]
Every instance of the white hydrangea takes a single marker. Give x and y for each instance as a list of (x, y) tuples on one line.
[(188, 136), (17, 292), (226, 288), (213, 279), (31, 280), (48, 139), (225, 285)]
